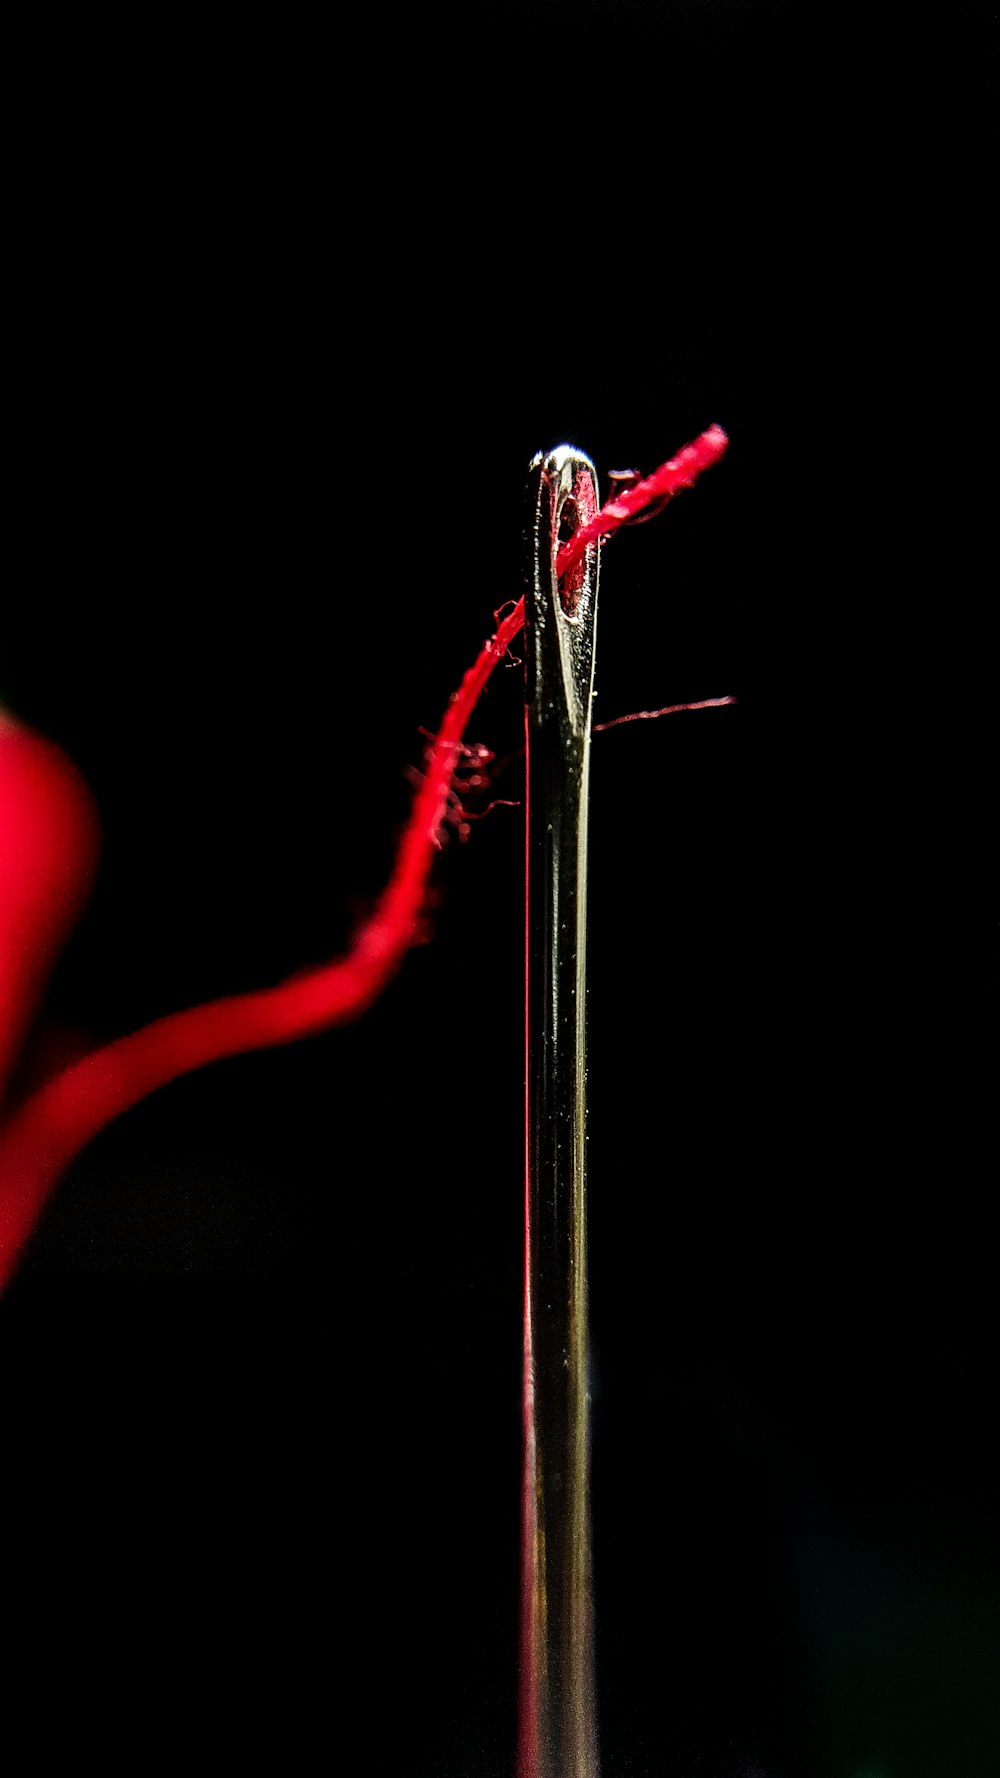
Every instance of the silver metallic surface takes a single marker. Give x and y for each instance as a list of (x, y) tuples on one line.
[(557, 1725)]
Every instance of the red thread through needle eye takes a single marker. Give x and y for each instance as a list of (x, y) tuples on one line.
[(44, 1134)]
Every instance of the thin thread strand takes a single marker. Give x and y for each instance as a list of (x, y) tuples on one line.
[(667, 710)]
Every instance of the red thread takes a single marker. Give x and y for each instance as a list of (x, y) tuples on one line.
[(63, 1115), (49, 841), (680, 472), (668, 710)]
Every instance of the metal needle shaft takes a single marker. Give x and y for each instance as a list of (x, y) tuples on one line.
[(557, 1719)]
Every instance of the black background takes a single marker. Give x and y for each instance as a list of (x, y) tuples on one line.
[(295, 310)]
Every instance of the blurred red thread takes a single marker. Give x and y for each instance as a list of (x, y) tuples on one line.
[(49, 841), (48, 849)]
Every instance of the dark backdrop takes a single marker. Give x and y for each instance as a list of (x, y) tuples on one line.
[(296, 308)]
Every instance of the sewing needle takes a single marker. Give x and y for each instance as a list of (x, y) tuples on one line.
[(557, 1708)]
